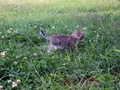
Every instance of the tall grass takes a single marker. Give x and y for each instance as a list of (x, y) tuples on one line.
[(94, 64)]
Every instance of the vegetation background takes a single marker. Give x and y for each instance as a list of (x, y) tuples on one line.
[(24, 62)]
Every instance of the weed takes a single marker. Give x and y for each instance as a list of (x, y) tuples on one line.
[(94, 64)]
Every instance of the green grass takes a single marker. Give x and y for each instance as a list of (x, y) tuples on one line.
[(93, 65)]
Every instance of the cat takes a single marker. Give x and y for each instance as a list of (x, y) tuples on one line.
[(63, 41)]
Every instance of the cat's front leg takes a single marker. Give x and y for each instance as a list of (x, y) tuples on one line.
[(50, 48)]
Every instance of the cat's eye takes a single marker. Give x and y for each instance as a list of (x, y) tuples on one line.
[(79, 34)]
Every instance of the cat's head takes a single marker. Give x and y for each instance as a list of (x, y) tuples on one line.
[(78, 34)]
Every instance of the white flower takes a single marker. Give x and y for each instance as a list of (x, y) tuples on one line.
[(77, 26), (9, 81), (3, 37), (7, 49), (1, 87), (36, 19), (15, 31), (10, 42), (23, 89), (35, 26), (37, 88), (2, 69), (40, 28), (65, 26), (18, 82), (84, 28), (8, 31), (25, 58), (53, 27), (17, 57), (14, 84), (64, 64), (35, 54), (99, 28), (94, 31), (15, 62), (98, 36), (11, 29), (3, 54), (41, 0)]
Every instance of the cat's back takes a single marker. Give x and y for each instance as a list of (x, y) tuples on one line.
[(62, 39)]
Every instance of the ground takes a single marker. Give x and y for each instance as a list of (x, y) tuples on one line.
[(25, 63)]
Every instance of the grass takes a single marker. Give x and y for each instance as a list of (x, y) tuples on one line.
[(94, 65)]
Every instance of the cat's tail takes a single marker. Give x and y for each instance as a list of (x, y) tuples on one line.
[(44, 35)]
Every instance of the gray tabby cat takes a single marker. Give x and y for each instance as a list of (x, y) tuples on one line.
[(63, 41)]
